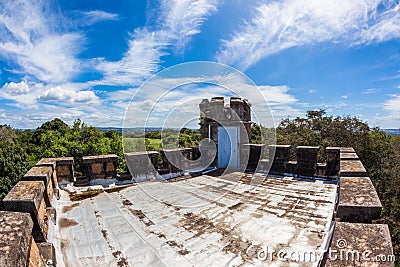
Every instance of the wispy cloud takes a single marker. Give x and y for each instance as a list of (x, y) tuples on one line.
[(371, 91), (281, 25), (29, 37), (392, 105), (385, 26), (95, 16), (159, 98), (179, 21)]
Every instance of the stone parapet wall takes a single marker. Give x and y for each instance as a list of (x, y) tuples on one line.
[(307, 160), (63, 168), (28, 214), (28, 196), (17, 246), (279, 156), (358, 206), (101, 167), (358, 200), (357, 244), (44, 174), (167, 163)]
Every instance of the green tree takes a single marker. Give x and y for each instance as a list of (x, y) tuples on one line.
[(378, 151), (14, 161)]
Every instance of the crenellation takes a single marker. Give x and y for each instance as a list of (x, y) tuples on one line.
[(352, 168), (15, 238), (357, 244), (349, 156), (28, 196), (332, 161), (357, 207), (307, 160), (142, 165), (358, 200), (44, 174), (279, 156), (65, 169), (48, 252), (101, 167)]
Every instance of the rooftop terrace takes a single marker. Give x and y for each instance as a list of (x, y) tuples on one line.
[(282, 213), (200, 221)]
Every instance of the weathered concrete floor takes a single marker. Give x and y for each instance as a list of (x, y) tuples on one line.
[(202, 221)]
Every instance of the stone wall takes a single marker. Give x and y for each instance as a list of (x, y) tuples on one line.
[(168, 163), (28, 214), (17, 246), (306, 165), (357, 208), (101, 167), (28, 210)]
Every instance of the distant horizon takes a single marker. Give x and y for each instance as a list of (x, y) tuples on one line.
[(387, 130), (302, 55)]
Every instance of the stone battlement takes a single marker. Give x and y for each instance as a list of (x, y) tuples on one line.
[(29, 214)]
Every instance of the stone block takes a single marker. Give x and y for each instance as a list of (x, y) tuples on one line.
[(357, 244), (48, 253), (291, 167), (35, 258), (352, 168), (142, 165), (347, 150), (307, 160), (349, 156), (171, 159), (279, 156), (358, 200), (52, 162), (332, 161), (42, 173), (65, 169), (27, 196), (101, 166), (51, 214), (255, 153), (321, 169), (15, 238)]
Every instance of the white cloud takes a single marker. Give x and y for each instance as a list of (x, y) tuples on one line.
[(182, 19), (371, 91), (393, 105), (281, 25), (179, 21), (140, 61), (277, 95), (23, 93), (29, 37), (386, 26), (94, 16), (31, 95), (61, 94), (13, 88), (180, 96)]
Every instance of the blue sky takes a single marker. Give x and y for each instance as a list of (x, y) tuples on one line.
[(86, 59)]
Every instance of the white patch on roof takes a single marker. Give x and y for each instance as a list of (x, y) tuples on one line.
[(202, 221)]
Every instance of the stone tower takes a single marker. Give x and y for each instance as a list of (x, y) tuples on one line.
[(215, 115)]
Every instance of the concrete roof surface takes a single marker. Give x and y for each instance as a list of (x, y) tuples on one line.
[(201, 221)]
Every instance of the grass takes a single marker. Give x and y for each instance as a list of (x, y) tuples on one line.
[(136, 144)]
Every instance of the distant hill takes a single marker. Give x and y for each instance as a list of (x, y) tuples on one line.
[(392, 131), (119, 130)]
